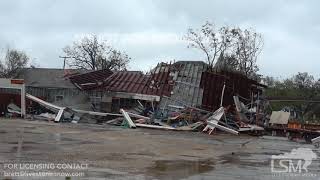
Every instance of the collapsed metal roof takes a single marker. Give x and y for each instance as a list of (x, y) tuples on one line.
[(91, 80), (236, 84), (184, 81), (158, 83), (186, 89), (139, 83)]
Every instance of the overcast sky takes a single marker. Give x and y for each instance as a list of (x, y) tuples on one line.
[(151, 31)]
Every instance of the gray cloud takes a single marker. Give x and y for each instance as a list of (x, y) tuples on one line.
[(151, 31)]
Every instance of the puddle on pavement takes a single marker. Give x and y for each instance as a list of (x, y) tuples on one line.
[(24, 142), (246, 159), (142, 154), (179, 169), (33, 132), (30, 127), (70, 141)]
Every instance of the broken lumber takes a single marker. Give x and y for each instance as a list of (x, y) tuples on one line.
[(48, 105), (59, 115), (214, 123), (217, 115), (127, 118), (316, 141), (138, 116), (42, 102), (251, 127), (154, 126), (96, 113), (190, 127)]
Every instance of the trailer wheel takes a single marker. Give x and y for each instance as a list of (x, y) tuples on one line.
[(317, 145), (307, 138)]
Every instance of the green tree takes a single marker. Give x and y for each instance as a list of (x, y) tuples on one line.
[(301, 86)]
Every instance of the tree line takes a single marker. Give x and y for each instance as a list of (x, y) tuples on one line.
[(301, 86)]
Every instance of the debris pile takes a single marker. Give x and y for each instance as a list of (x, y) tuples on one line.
[(180, 119), (180, 96)]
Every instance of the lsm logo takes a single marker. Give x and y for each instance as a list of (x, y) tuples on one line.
[(295, 162)]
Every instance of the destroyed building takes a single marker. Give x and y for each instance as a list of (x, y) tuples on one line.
[(109, 91), (52, 85), (183, 83), (183, 95), (186, 89)]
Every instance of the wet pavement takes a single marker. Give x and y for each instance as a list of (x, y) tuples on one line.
[(117, 153)]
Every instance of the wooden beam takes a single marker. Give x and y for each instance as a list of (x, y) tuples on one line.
[(48, 105), (96, 113), (127, 118), (154, 126), (137, 116)]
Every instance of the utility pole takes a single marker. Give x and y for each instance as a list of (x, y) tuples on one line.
[(64, 60)]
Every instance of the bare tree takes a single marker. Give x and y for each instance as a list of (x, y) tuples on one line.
[(246, 48), (90, 53), (117, 60), (14, 61), (213, 42), (232, 48), (226, 63)]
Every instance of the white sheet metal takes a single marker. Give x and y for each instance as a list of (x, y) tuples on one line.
[(214, 120), (217, 115), (59, 115), (214, 123), (279, 117), (316, 140)]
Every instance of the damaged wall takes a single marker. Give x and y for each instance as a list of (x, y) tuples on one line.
[(104, 88), (50, 84), (236, 84), (186, 89)]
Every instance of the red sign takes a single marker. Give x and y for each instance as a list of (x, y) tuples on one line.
[(17, 81)]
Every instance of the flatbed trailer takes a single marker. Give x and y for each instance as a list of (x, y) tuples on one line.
[(293, 133)]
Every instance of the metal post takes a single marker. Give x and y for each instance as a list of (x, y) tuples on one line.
[(222, 93), (23, 100)]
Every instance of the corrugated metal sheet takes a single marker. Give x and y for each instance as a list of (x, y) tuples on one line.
[(90, 80), (159, 83), (185, 82), (236, 84), (126, 81), (186, 89)]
